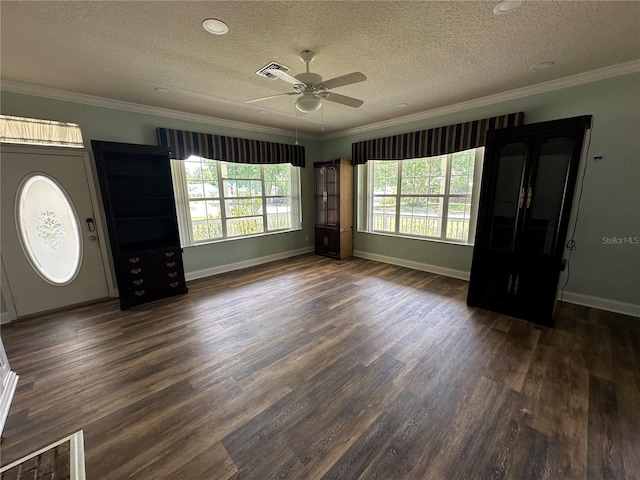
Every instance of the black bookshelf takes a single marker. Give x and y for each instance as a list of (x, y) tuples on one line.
[(137, 193)]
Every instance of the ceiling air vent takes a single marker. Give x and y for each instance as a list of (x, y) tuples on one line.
[(271, 66)]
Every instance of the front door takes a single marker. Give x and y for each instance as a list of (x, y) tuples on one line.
[(50, 246)]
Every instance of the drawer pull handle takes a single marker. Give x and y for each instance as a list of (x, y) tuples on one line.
[(174, 284), (139, 292), (171, 264), (172, 274), (136, 271), (169, 254), (134, 259), (138, 282)]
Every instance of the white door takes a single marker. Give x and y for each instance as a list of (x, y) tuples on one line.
[(50, 244)]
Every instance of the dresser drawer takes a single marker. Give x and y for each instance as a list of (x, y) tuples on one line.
[(150, 275)]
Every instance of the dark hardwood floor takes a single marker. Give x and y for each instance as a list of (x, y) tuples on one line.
[(311, 368)]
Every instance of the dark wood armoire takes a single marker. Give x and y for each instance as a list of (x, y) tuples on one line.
[(334, 208), (526, 196)]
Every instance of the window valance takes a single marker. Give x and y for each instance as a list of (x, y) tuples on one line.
[(432, 142), (183, 144)]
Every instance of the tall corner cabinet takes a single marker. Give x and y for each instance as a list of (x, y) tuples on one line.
[(137, 193), (527, 190), (334, 208)]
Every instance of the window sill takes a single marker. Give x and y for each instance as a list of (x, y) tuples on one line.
[(410, 237), (245, 237)]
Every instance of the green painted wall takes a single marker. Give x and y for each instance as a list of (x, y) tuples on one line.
[(122, 126), (610, 204)]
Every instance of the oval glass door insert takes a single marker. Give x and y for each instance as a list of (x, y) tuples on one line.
[(48, 229)]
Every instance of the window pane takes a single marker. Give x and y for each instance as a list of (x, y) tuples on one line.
[(421, 216), (196, 190), (413, 215), (424, 176), (385, 177), (202, 178), (462, 166), (242, 188), (458, 217), (193, 170), (48, 229), (278, 213), (205, 219), (244, 226), (277, 179), (240, 170), (255, 188), (384, 214), (243, 207), (230, 188)]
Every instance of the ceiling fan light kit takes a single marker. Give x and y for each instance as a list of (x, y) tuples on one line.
[(308, 103), (310, 86)]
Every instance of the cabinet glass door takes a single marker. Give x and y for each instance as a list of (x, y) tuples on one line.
[(332, 196), (546, 194), (507, 196), (321, 196)]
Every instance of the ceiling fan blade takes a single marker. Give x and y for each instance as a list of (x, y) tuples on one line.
[(347, 79), (284, 76), (344, 100), (270, 97)]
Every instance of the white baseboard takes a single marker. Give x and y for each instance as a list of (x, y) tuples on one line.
[(229, 267), (615, 306), (425, 267)]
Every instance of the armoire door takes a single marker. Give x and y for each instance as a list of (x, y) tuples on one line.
[(526, 196), (320, 196)]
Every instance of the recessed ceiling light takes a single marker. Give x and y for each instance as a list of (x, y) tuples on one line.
[(541, 66), (507, 6), (402, 105), (217, 27), (161, 90)]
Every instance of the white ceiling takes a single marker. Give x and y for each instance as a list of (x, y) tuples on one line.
[(427, 54)]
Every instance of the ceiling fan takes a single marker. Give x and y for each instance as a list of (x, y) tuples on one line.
[(311, 88)]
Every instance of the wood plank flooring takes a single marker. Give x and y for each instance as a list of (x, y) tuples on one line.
[(309, 368)]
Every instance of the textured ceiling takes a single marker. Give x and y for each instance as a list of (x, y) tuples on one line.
[(426, 54)]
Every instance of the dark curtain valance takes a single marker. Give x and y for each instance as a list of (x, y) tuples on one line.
[(432, 142), (183, 144)]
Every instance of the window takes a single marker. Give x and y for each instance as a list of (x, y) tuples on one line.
[(34, 131), (433, 197), (220, 200), (48, 229)]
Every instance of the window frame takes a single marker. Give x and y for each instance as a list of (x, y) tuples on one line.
[(183, 202), (366, 196)]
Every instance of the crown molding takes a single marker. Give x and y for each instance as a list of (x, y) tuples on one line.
[(63, 95), (566, 82)]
